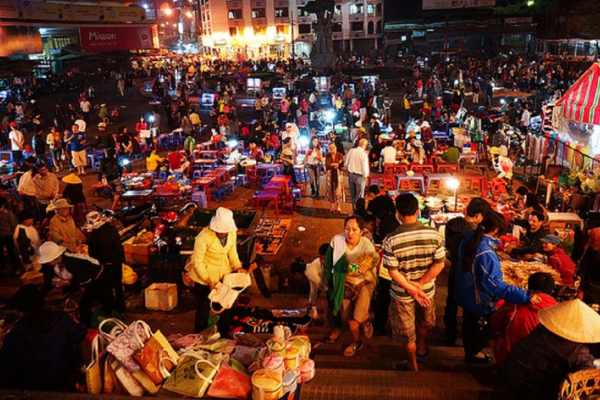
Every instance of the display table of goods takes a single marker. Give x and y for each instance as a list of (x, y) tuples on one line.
[(133, 360), (517, 273)]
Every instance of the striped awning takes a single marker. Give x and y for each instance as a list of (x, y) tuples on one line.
[(581, 103)]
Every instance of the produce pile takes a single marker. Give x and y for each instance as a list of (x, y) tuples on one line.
[(517, 273)]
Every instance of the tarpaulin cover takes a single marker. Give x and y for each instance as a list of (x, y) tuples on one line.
[(581, 103)]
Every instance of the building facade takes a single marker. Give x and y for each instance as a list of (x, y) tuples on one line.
[(282, 28)]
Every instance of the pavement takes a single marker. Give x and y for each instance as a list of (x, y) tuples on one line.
[(368, 375)]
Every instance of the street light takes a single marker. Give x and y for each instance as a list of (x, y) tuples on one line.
[(454, 184)]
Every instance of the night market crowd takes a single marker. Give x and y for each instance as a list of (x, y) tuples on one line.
[(379, 274)]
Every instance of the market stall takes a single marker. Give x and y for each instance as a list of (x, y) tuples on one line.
[(572, 147)]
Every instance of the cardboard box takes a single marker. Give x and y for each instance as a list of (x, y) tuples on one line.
[(161, 296), (136, 253)]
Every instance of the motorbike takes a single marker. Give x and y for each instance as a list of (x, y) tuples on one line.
[(130, 218), (165, 235)]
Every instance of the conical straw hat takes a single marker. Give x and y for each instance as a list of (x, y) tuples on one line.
[(572, 320)]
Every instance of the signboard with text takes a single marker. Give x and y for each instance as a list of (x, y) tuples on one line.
[(118, 38), (29, 10), (456, 4)]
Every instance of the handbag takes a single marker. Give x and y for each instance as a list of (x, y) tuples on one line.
[(351, 291), (109, 379), (143, 379), (126, 378), (226, 293), (238, 281), (129, 342), (230, 384), (149, 357), (93, 371), (191, 377)]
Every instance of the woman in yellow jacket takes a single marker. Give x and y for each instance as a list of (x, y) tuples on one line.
[(154, 160), (215, 255)]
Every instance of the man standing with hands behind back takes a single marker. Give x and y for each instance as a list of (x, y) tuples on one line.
[(215, 255), (414, 255)]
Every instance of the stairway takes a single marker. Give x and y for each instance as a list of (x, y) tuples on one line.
[(370, 373)]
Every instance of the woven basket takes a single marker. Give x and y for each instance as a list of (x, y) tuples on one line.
[(584, 382)]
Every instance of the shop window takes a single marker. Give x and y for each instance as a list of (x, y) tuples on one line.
[(282, 29), (304, 28), (281, 13), (379, 28), (302, 12), (336, 27), (260, 30), (258, 13), (236, 31), (357, 26), (60, 42), (235, 14), (357, 8)]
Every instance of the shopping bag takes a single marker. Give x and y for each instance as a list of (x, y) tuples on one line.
[(110, 328), (191, 377), (230, 384), (150, 355), (93, 371), (108, 380), (129, 342), (238, 281), (126, 379), (143, 379), (226, 293), (179, 341)]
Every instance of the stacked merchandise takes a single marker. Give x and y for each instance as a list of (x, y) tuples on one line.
[(133, 360)]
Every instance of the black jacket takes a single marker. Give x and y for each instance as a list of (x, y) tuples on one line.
[(110, 168), (105, 245)]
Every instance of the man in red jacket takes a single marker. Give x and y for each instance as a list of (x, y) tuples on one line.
[(558, 259), (512, 322)]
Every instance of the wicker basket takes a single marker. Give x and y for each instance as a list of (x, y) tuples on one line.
[(584, 382)]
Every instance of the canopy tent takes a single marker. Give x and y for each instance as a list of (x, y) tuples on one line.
[(581, 103)]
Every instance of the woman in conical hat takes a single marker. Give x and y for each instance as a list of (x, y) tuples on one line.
[(540, 361)]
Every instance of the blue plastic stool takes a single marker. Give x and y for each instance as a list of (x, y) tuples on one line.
[(227, 188), (297, 193), (217, 194), (242, 180), (197, 174), (163, 175)]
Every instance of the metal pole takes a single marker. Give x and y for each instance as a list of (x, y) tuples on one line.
[(455, 199), (293, 40)]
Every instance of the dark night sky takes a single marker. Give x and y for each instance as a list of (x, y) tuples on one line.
[(402, 9)]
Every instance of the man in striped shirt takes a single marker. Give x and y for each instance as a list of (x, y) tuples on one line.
[(414, 256)]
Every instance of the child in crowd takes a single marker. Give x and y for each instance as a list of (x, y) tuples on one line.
[(27, 238), (314, 273), (558, 259)]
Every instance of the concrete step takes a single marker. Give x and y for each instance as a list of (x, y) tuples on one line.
[(384, 356), (383, 385)]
